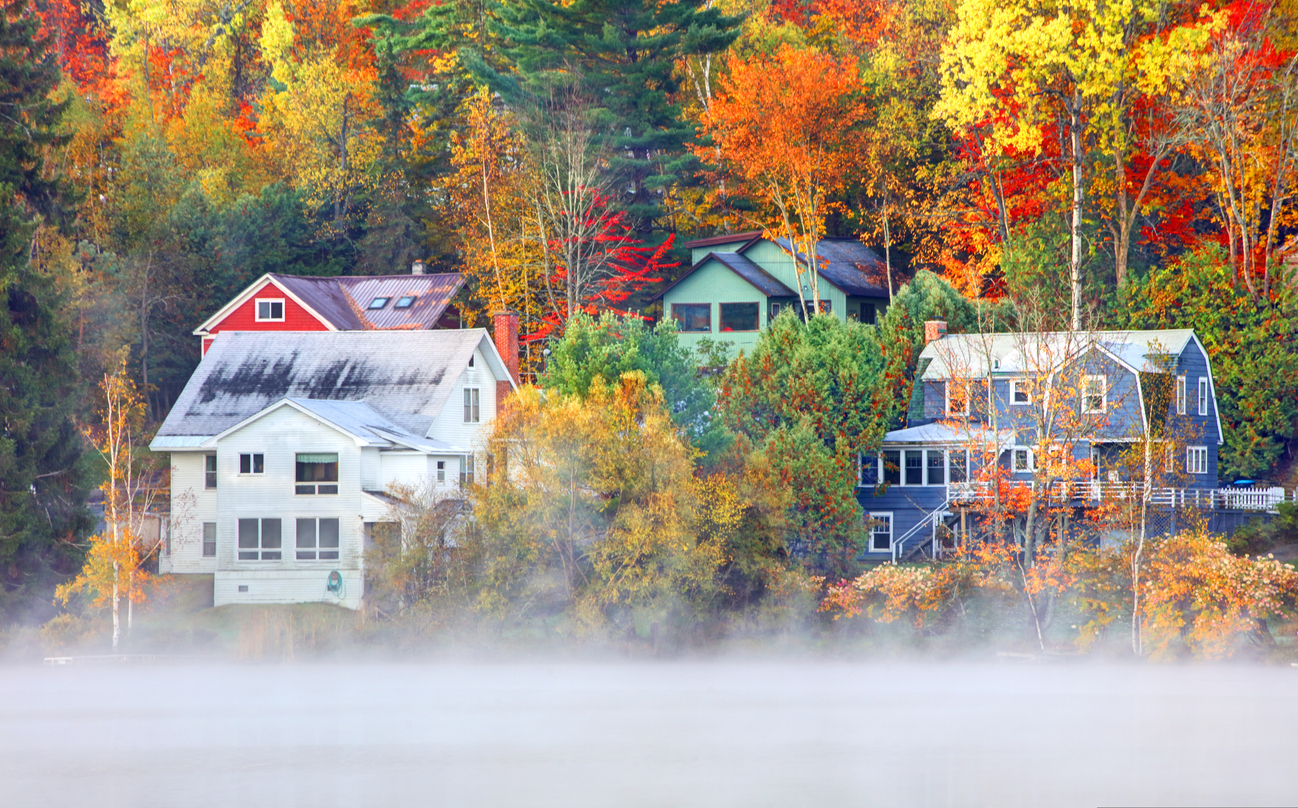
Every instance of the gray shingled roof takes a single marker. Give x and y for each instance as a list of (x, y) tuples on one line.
[(330, 298), (404, 376), (751, 272), (848, 264)]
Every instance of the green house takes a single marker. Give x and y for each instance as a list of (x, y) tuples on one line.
[(737, 283)]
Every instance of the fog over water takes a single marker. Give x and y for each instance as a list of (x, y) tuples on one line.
[(711, 733)]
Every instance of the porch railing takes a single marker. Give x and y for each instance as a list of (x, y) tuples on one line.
[(1240, 499)]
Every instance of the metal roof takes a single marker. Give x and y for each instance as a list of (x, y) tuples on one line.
[(404, 376), (946, 434), (969, 355), (731, 238), (344, 300)]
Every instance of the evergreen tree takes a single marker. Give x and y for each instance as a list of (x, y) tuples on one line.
[(43, 477), (619, 57)]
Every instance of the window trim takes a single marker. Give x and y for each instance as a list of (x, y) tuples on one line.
[(256, 309), (315, 488), (1014, 390), (906, 467), (441, 471), (968, 399), (403, 298), (1030, 458), (252, 464), (472, 405), (206, 543), (1203, 395), (1104, 393), (757, 322), (1180, 394), (316, 549), (882, 516), (680, 323), (209, 474), (379, 303), (1193, 452), (259, 551), (467, 469)]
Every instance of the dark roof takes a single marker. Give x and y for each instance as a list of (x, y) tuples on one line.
[(754, 274), (849, 265), (732, 238), (344, 300)]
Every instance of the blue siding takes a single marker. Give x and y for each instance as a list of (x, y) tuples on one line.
[(1193, 364)]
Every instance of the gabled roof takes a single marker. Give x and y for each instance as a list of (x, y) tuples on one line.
[(355, 419), (766, 283), (405, 377), (726, 238), (342, 302), (1018, 353), (846, 263), (949, 434)]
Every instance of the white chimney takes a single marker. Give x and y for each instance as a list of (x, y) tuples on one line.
[(417, 268)]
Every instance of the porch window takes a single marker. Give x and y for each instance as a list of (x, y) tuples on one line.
[(209, 471), (1196, 460), (692, 316), (317, 539), (914, 467), (1019, 392), (260, 540), (270, 310), (959, 464), (936, 467), (892, 467), (252, 464), (317, 473), (1095, 394), (209, 539), (880, 532), (739, 317), (472, 405), (1203, 395), (1180, 395)]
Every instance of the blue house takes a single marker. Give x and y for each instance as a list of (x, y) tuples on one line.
[(738, 283), (1006, 398)]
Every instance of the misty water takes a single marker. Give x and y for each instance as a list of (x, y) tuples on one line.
[(709, 733)]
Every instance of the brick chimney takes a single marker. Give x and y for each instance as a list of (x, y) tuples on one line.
[(417, 268), (934, 329), (505, 335)]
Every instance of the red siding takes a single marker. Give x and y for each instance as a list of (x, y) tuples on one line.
[(244, 318)]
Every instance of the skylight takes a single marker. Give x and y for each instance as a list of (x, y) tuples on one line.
[(379, 302), (406, 302)]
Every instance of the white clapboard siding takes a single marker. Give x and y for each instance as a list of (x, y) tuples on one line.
[(192, 504), (288, 586), (449, 425)]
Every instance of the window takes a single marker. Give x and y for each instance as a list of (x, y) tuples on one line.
[(1169, 459), (775, 310), (1019, 392), (936, 467), (1180, 395), (892, 467), (472, 409), (406, 302), (881, 532), (957, 398), (1203, 395), (959, 462), (692, 316), (472, 357), (259, 540), (1095, 394), (914, 467), (379, 302), (1024, 459), (466, 470), (867, 471), (316, 473), (270, 310), (441, 471), (209, 539), (252, 464), (317, 540), (867, 313), (209, 471), (739, 317), (1196, 460), (826, 307)]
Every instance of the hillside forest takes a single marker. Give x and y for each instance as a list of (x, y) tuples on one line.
[(1068, 165)]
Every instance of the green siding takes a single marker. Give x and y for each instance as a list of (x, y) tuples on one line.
[(697, 254), (714, 283)]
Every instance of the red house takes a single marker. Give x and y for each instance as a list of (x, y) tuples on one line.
[(353, 303)]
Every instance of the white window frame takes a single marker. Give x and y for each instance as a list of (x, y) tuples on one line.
[(1196, 460), (209, 474), (315, 551), (1014, 390), (441, 471), (923, 469), (472, 405), (882, 516), (260, 552), (1203, 395), (209, 543), (950, 453), (1169, 459), (252, 464), (968, 396), (467, 470), (1087, 380), (1180, 394), (1030, 458), (270, 301), (927, 467)]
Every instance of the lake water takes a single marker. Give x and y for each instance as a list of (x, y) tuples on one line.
[(715, 733)]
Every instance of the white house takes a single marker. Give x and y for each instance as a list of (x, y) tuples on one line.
[(283, 443)]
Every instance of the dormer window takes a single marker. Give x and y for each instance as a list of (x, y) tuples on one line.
[(270, 310), (406, 302), (1095, 394), (379, 302)]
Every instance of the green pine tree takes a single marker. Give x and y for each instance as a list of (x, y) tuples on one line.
[(43, 475)]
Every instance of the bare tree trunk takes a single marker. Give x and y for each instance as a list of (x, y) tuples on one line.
[(1075, 262)]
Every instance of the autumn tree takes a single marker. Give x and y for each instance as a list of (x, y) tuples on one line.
[(785, 125)]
